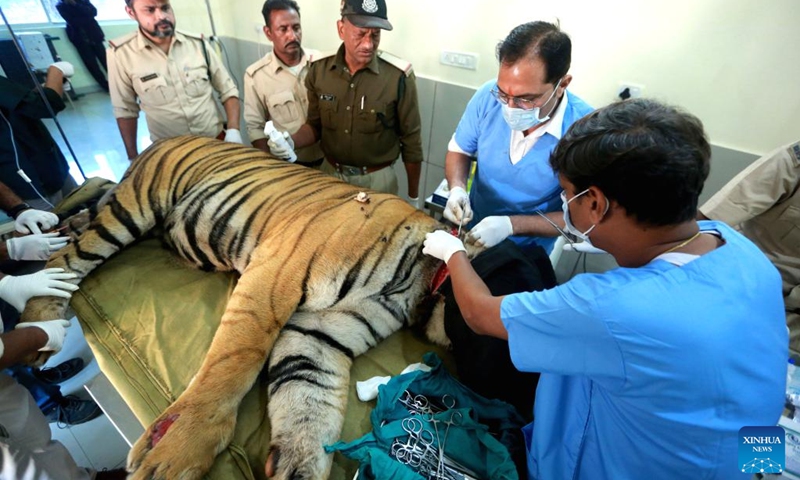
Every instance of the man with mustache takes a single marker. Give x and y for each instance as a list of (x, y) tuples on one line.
[(173, 76), (362, 106), (274, 86)]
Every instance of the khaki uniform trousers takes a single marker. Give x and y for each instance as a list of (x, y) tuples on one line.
[(27, 450)]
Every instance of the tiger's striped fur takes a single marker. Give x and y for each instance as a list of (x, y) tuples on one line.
[(334, 275)]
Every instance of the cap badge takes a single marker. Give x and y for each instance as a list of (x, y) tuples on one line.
[(370, 6)]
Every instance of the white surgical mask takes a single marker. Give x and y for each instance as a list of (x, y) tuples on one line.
[(568, 222), (521, 120)]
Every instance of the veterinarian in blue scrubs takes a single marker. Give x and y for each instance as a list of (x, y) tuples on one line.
[(643, 374), (511, 126)]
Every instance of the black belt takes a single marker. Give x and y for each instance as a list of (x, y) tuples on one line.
[(353, 171), (312, 164)]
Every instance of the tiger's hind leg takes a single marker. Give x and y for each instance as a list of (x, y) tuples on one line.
[(309, 375), (184, 440)]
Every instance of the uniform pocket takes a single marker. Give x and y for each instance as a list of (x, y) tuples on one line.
[(154, 90), (327, 113), (197, 82), (284, 109), (375, 118), (792, 218)]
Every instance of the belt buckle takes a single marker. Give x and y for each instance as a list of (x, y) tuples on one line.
[(350, 171)]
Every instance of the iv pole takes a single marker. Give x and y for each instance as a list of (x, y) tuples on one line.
[(211, 18)]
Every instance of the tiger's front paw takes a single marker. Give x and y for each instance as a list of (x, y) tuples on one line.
[(182, 443), (36, 359)]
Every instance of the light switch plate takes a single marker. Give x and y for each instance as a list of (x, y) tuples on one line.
[(464, 60)]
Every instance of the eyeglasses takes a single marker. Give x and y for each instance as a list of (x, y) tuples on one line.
[(519, 102)]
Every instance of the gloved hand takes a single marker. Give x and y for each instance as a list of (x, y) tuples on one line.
[(282, 146), (34, 221), (48, 282), (35, 247), (458, 209), (490, 231), (56, 331), (442, 245), (582, 247), (66, 68), (233, 136), (415, 202)]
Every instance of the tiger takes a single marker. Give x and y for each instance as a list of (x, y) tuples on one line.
[(326, 271)]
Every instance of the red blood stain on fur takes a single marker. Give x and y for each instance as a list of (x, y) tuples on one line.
[(442, 272), (160, 429)]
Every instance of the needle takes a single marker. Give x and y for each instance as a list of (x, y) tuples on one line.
[(459, 226)]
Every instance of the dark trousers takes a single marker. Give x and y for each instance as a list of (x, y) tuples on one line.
[(484, 363), (93, 55)]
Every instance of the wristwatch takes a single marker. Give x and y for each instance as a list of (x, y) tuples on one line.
[(14, 211)]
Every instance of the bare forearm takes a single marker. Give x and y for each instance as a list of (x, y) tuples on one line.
[(480, 309), (19, 343), (8, 199), (127, 128), (536, 226), (55, 80), (304, 136), (261, 144), (232, 111), (413, 172), (456, 169)]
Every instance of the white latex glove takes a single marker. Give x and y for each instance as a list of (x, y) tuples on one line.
[(282, 146), (34, 221), (35, 247), (48, 282), (458, 209), (233, 136), (442, 245), (415, 202), (56, 331), (582, 247), (66, 68), (490, 231)]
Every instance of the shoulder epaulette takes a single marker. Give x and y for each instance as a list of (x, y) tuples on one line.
[(321, 56), (795, 149), (258, 65), (118, 42), (397, 62), (196, 36)]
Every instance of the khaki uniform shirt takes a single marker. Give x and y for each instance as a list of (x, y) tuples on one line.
[(368, 118), (273, 92), (763, 201), (174, 89)]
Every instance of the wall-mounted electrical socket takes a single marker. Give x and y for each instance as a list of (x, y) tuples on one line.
[(460, 60), (258, 28), (628, 90)]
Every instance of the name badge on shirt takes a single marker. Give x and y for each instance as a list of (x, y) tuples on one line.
[(327, 97), (149, 77)]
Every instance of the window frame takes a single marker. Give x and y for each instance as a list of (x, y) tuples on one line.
[(50, 12)]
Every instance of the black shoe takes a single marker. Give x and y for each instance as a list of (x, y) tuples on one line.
[(116, 474), (73, 411), (61, 372)]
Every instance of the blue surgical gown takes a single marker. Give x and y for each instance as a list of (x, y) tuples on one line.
[(503, 188), (650, 372)]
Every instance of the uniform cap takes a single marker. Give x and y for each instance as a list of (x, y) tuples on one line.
[(366, 13)]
